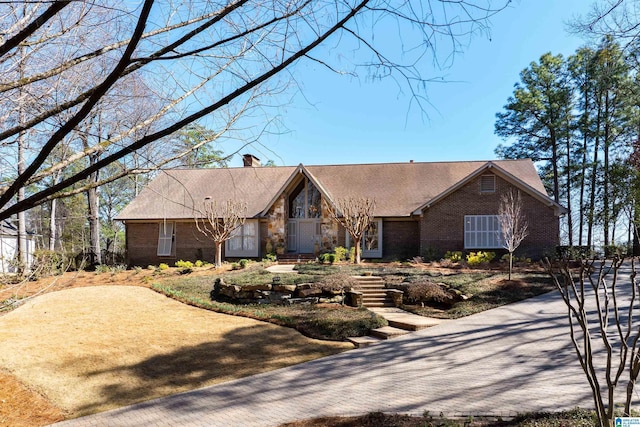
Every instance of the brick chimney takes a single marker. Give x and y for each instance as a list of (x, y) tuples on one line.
[(251, 161)]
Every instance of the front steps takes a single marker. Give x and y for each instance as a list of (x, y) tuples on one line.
[(400, 323), (288, 259), (373, 291)]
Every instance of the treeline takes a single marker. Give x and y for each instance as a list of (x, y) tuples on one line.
[(579, 119)]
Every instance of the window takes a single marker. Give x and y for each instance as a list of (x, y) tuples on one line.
[(488, 184), (243, 241), (165, 239), (304, 202), (482, 232), (371, 242)]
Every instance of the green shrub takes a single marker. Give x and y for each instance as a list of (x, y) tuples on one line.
[(480, 257), (453, 256), (352, 255), (341, 253), (163, 266), (328, 258), (102, 268), (199, 263), (269, 258), (243, 263), (184, 264), (235, 266), (431, 254)]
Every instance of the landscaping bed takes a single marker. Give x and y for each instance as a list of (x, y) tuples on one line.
[(574, 418)]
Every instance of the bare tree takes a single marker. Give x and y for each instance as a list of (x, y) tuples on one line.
[(219, 220), (355, 215), (603, 325), (204, 58), (513, 224)]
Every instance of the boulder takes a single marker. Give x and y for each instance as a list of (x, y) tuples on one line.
[(287, 289)]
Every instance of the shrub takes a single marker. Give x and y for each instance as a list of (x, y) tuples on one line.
[(269, 258), (235, 266), (453, 256), (480, 257), (431, 254), (47, 263), (102, 268), (337, 282), (341, 253), (328, 258), (426, 292), (184, 264), (243, 263), (163, 266), (199, 263)]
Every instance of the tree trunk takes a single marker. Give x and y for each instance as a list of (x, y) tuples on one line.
[(218, 254), (606, 212), (93, 204), (22, 218), (53, 227), (594, 176), (356, 242), (510, 264), (570, 212)]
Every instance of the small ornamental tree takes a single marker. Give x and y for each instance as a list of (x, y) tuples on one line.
[(219, 221), (355, 215), (513, 224), (601, 297)]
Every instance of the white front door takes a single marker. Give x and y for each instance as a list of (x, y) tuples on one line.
[(306, 236)]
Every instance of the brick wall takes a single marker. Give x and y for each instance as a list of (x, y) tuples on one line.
[(189, 244), (442, 226), (400, 239)]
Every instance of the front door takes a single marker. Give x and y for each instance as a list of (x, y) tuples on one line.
[(306, 236)]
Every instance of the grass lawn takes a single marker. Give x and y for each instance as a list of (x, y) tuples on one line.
[(95, 348), (95, 345)]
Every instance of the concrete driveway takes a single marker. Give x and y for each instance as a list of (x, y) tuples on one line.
[(505, 361)]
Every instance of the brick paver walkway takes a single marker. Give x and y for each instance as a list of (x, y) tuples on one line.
[(505, 361)]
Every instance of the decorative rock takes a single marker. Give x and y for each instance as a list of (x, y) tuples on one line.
[(354, 298), (311, 292), (396, 296), (284, 288), (302, 301), (260, 287), (230, 291)]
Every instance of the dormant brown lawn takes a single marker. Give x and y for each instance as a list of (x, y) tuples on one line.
[(95, 348)]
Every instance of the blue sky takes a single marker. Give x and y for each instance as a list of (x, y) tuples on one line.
[(339, 119)]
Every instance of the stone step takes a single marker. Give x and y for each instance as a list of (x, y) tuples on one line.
[(388, 332), (378, 304), (361, 342), (410, 326)]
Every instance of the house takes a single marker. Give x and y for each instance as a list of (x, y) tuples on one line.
[(419, 208), (9, 247)]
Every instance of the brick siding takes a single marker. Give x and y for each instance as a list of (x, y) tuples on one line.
[(400, 239), (442, 225)]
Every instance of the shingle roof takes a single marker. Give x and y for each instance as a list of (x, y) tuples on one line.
[(398, 188)]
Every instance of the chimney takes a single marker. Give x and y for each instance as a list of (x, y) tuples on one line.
[(251, 161)]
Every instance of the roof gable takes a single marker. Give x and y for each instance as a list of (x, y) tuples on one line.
[(399, 189)]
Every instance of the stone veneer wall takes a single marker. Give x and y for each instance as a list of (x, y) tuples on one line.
[(276, 225), (330, 230)]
